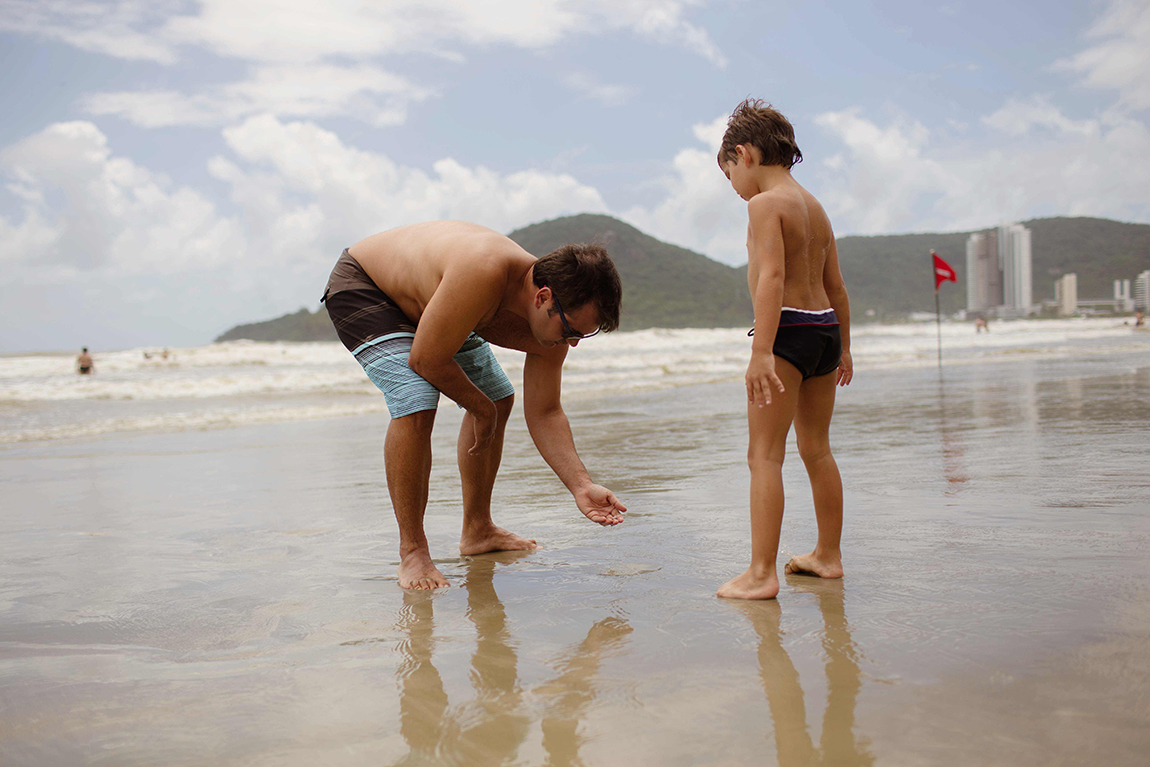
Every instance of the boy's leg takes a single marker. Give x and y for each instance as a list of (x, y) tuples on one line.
[(812, 428), (768, 441), (407, 457), (480, 535)]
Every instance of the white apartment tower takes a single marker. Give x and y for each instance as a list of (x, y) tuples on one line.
[(1123, 302), (1142, 291), (998, 271), (1066, 294)]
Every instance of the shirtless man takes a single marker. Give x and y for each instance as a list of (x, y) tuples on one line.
[(801, 348), (84, 364), (416, 306)]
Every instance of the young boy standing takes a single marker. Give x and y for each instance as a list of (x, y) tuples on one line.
[(801, 347)]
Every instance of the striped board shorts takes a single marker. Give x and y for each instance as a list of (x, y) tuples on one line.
[(379, 335), (384, 359)]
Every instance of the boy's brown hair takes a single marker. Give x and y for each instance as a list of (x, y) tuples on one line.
[(756, 123), (579, 274)]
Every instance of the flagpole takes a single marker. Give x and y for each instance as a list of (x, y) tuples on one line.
[(938, 323)]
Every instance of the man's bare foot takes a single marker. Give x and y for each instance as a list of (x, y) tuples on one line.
[(416, 571), (809, 564), (493, 539), (750, 586)]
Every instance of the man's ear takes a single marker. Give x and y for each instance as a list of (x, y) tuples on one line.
[(541, 296)]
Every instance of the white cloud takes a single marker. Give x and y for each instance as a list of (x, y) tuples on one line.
[(700, 211), (299, 49), (84, 210), (299, 178), (125, 29), (1120, 61), (366, 92), (607, 95), (1018, 118), (892, 178)]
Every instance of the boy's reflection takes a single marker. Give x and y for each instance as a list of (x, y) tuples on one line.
[(491, 728), (838, 745)]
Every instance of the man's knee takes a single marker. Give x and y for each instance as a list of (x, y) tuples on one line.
[(419, 422), (503, 408)]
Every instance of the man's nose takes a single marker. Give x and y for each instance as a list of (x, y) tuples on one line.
[(573, 341)]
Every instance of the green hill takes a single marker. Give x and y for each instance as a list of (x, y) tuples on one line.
[(672, 287), (664, 286)]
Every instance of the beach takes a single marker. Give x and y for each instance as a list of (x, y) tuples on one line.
[(200, 563)]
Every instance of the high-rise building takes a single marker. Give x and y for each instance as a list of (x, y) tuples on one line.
[(1014, 253), (1123, 302), (998, 271), (1142, 291), (1066, 294)]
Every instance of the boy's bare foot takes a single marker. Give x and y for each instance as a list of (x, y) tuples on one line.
[(809, 564), (416, 571), (493, 539), (750, 586)]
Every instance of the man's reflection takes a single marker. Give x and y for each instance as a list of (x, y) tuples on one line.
[(492, 727), (838, 746)]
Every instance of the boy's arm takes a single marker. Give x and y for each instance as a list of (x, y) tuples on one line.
[(542, 378), (463, 297), (769, 258), (837, 293)]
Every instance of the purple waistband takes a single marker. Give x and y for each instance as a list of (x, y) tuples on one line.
[(789, 318)]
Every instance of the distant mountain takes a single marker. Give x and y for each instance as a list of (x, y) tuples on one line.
[(300, 326), (672, 287), (664, 286)]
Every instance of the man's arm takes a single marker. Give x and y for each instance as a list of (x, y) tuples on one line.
[(465, 294), (768, 255), (837, 293), (542, 382)]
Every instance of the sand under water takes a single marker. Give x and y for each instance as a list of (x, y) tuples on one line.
[(225, 593)]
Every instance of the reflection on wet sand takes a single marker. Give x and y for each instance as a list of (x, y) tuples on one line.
[(953, 449), (492, 727), (838, 744)]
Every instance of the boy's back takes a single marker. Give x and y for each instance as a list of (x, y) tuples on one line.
[(807, 244)]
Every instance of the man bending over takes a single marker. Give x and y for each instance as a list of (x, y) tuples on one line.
[(416, 306)]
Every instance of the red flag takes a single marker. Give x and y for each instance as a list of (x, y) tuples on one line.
[(942, 271)]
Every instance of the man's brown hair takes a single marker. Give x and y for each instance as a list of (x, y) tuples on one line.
[(758, 124), (579, 274)]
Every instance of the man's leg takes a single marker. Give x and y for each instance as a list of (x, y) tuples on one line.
[(477, 472), (812, 428), (768, 441), (407, 456)]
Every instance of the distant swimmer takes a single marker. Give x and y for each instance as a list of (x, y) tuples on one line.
[(84, 363), (980, 325), (417, 307), (801, 347)]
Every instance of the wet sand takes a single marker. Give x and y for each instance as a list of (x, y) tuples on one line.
[(229, 597)]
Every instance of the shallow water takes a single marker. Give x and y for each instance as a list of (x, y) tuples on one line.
[(228, 596)]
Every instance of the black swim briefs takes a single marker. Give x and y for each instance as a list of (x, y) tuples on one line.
[(809, 340)]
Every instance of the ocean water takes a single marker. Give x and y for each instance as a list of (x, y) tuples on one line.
[(209, 578), (237, 383)]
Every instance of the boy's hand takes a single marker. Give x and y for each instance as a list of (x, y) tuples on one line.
[(846, 369), (761, 376)]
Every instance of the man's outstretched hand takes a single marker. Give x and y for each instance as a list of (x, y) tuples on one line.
[(600, 505)]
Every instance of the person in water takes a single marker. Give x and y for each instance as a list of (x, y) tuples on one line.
[(417, 307), (801, 347), (84, 364)]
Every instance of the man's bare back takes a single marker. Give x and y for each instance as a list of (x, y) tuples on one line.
[(409, 264)]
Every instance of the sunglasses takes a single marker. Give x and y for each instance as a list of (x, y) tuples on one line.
[(568, 333)]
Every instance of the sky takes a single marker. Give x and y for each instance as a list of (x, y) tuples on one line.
[(172, 168)]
